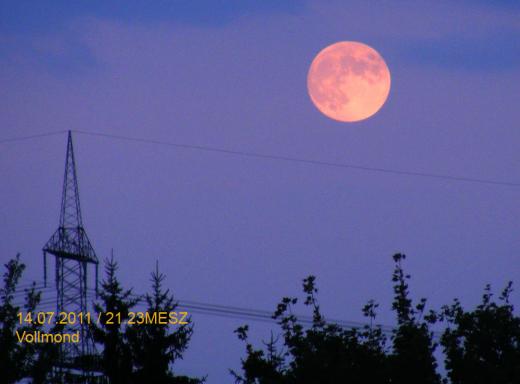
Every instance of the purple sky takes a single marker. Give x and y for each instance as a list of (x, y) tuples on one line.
[(244, 231)]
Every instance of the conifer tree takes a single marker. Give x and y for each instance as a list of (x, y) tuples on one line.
[(110, 333), (155, 346)]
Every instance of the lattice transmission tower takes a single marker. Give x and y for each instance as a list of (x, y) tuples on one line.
[(73, 252)]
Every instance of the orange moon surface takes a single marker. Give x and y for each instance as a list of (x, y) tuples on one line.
[(348, 81)]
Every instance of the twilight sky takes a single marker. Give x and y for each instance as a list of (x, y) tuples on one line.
[(244, 231)]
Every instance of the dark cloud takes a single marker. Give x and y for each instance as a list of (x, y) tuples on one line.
[(496, 52), (35, 16)]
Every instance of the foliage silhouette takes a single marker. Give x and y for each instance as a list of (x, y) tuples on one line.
[(21, 360), (116, 357), (411, 360), (323, 353), (483, 345), (154, 346), (480, 346)]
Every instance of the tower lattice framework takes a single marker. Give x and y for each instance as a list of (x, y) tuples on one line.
[(73, 252)]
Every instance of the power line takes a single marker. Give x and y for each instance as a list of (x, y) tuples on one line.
[(23, 138), (231, 312), (239, 313), (213, 308), (300, 160), (277, 157)]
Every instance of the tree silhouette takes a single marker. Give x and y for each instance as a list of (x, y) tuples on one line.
[(155, 347), (321, 353), (46, 359), (412, 360), (116, 358), (327, 353), (480, 346), (20, 360), (483, 345), (11, 352)]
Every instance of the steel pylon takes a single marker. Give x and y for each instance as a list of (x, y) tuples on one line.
[(73, 252)]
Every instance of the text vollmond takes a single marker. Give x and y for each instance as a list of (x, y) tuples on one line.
[(42, 337)]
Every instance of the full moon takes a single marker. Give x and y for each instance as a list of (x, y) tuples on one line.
[(348, 81)]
